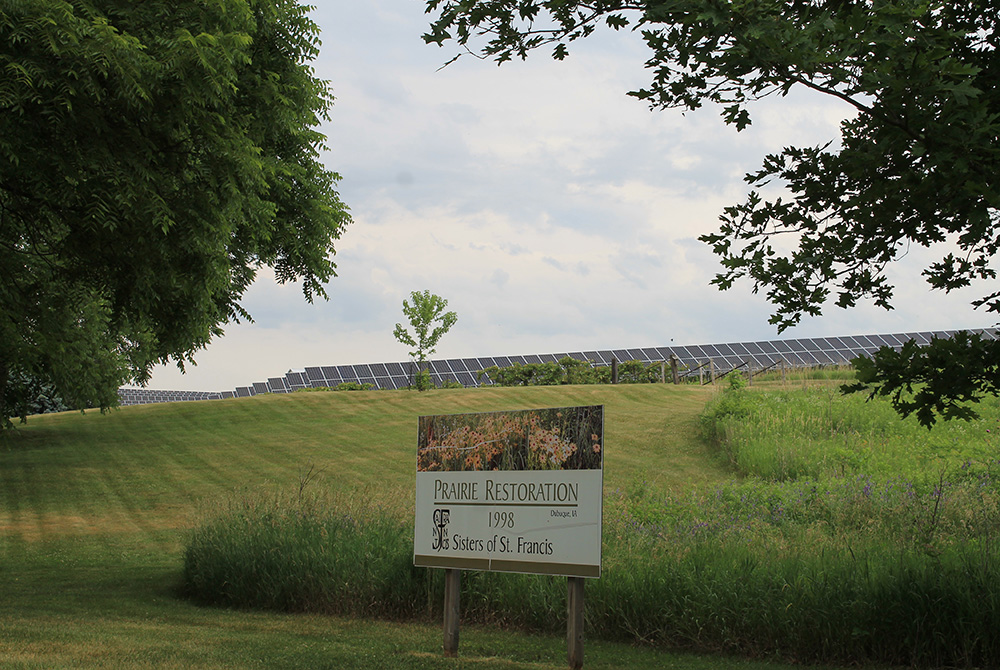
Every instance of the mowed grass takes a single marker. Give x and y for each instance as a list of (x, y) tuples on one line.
[(94, 512)]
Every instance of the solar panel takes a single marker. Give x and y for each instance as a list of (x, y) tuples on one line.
[(681, 353), (477, 364), (809, 345), (823, 358), (696, 352), (739, 349), (457, 365), (726, 350), (744, 355)]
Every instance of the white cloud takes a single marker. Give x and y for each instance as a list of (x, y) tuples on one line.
[(552, 211)]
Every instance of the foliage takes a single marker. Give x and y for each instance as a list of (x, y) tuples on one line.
[(855, 571), (542, 439), (917, 164), (153, 156), (342, 386), (736, 380), (637, 372), (27, 396), (426, 311), (569, 370), (783, 435), (940, 379), (302, 552)]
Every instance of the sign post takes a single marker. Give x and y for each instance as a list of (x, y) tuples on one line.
[(574, 622), (452, 610), (517, 491)]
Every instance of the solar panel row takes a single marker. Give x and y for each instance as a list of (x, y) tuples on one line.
[(803, 352), (131, 396)]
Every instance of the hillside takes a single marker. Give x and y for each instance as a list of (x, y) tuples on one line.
[(94, 511)]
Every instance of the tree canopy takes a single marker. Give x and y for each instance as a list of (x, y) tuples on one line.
[(917, 164), (153, 157)]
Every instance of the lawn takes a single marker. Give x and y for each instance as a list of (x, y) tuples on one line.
[(95, 510)]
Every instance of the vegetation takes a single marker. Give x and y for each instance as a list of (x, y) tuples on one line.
[(841, 544), (342, 386), (884, 559), (915, 165), (426, 311), (153, 156), (569, 370)]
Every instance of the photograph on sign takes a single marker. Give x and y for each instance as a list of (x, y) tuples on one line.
[(518, 491)]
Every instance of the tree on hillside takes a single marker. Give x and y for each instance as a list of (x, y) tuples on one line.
[(153, 156), (425, 311), (918, 164)]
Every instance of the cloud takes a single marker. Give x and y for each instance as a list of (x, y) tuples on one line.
[(554, 212)]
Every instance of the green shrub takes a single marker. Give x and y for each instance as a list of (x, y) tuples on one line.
[(569, 370), (851, 570)]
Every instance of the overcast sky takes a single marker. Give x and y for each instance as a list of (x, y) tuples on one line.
[(552, 211)]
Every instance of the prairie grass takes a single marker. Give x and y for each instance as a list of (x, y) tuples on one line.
[(97, 514), (786, 434), (890, 557), (847, 571)]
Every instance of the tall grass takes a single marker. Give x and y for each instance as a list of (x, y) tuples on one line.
[(851, 536), (303, 552), (853, 570), (780, 434)]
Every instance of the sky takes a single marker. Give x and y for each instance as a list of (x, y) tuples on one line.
[(553, 212)]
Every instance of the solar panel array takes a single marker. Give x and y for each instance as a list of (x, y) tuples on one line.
[(803, 352)]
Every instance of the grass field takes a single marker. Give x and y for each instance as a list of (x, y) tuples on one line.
[(95, 510)]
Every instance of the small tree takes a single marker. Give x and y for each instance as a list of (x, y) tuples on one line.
[(426, 310)]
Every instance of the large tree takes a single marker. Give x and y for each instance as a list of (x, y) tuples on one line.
[(153, 156), (917, 164)]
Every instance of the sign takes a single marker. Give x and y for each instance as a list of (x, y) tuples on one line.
[(511, 491)]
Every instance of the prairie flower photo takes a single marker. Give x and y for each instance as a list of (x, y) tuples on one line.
[(560, 438)]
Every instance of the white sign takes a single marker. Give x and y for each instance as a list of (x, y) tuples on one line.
[(511, 491)]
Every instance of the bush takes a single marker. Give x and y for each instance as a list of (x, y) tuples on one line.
[(569, 370), (816, 572)]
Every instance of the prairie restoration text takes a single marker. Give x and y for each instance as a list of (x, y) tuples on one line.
[(559, 492), (507, 492)]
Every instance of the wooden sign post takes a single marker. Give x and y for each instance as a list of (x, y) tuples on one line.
[(574, 622), (452, 610)]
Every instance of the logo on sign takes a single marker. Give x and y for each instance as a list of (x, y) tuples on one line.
[(441, 519)]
